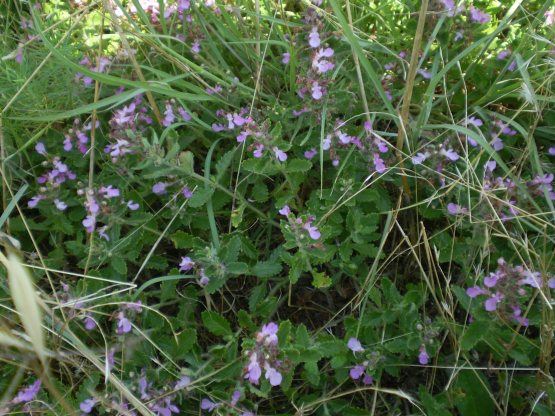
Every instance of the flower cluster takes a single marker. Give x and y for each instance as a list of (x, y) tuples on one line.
[(303, 226), (262, 140), (126, 129), (188, 264), (264, 356), (123, 325), (99, 66), (51, 181), (364, 369), (210, 406), (504, 289), (169, 113)]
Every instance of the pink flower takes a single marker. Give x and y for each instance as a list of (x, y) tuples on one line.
[(550, 16)]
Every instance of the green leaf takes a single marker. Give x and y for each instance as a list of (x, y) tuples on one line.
[(200, 197), (472, 397), (119, 265), (216, 323), (474, 333), (185, 342), (264, 269), (283, 333), (320, 280), (182, 240), (298, 165), (237, 267), (302, 336)]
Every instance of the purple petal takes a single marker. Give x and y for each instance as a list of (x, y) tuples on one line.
[(354, 345)]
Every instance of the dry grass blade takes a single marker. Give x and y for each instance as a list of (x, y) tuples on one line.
[(26, 301)]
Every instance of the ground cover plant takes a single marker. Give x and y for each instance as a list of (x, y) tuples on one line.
[(262, 207)]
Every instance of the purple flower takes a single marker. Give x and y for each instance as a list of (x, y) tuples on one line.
[(235, 396), (309, 154), (312, 231), (187, 193), (41, 148), (184, 114), (354, 345), (491, 279), (357, 371), (317, 92), (27, 394), (258, 150), (367, 379), (503, 54), (491, 303), (89, 223), (109, 191), (314, 38), (34, 201), (206, 404), (273, 376), (169, 116), (455, 209), (476, 122), (186, 264), (285, 210), (159, 188), (449, 154), (133, 206), (195, 47), (551, 283), (253, 370), (285, 58), (204, 280), (474, 291), (490, 166), (550, 16), (182, 383), (420, 158), (478, 16), (450, 7), (379, 164), (423, 357), (280, 154), (124, 325), (497, 144), (425, 74), (87, 405), (90, 324)]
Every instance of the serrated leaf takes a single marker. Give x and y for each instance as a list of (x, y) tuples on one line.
[(320, 280), (283, 333), (237, 267), (185, 342), (182, 240), (187, 160), (264, 269), (119, 265), (216, 323), (200, 197), (298, 165)]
